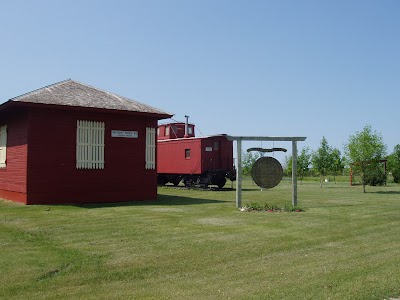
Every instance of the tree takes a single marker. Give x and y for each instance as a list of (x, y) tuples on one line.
[(394, 163), (248, 159), (363, 149), (322, 159), (288, 165), (337, 163), (303, 162)]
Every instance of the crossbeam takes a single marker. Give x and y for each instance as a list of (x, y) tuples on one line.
[(266, 138)]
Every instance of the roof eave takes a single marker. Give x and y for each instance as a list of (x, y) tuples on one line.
[(11, 103)]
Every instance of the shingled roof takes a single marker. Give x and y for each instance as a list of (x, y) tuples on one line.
[(75, 94)]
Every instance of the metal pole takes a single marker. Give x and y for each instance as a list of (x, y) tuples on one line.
[(294, 173), (186, 126), (239, 175)]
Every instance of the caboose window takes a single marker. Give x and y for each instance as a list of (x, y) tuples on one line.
[(90, 145), (216, 145), (3, 146), (167, 130), (150, 148), (174, 130), (187, 153), (190, 130)]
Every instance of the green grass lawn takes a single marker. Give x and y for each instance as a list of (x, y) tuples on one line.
[(193, 244)]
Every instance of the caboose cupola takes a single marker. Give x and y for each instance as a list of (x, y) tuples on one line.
[(176, 130)]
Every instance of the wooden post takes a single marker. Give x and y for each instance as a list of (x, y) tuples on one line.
[(351, 176), (294, 171), (239, 175)]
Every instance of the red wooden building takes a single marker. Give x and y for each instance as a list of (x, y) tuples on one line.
[(73, 143)]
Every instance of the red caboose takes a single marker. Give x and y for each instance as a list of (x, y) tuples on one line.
[(194, 160)]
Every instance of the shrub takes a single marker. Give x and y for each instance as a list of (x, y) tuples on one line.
[(396, 175), (375, 175)]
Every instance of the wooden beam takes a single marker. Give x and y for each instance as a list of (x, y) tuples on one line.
[(294, 173), (266, 138), (239, 175)]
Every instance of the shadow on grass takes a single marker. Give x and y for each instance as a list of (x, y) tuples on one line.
[(164, 200), (212, 188), (337, 186), (386, 192), (195, 188)]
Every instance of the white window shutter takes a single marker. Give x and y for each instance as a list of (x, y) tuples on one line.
[(90, 145), (3, 146), (150, 148)]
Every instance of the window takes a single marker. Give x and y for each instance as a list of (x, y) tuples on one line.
[(3, 146), (167, 130), (174, 129), (187, 153), (90, 145), (190, 130), (150, 148), (216, 145)]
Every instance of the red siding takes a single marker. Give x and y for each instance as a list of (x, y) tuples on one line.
[(13, 183), (52, 173), (171, 155)]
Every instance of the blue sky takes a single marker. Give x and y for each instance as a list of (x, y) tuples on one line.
[(271, 68)]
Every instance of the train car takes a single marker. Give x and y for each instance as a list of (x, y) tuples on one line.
[(197, 161)]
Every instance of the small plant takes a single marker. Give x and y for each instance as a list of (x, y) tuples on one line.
[(272, 208), (254, 206), (291, 208), (245, 208)]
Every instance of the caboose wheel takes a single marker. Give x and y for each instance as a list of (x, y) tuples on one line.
[(188, 182), (176, 181), (221, 182), (161, 180)]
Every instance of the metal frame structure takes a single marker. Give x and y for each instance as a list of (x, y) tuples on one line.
[(239, 140)]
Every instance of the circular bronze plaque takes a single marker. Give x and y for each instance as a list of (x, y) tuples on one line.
[(267, 172)]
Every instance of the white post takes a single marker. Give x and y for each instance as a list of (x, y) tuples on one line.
[(239, 175), (294, 173)]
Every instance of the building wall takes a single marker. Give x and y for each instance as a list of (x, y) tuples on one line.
[(13, 184), (53, 176)]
